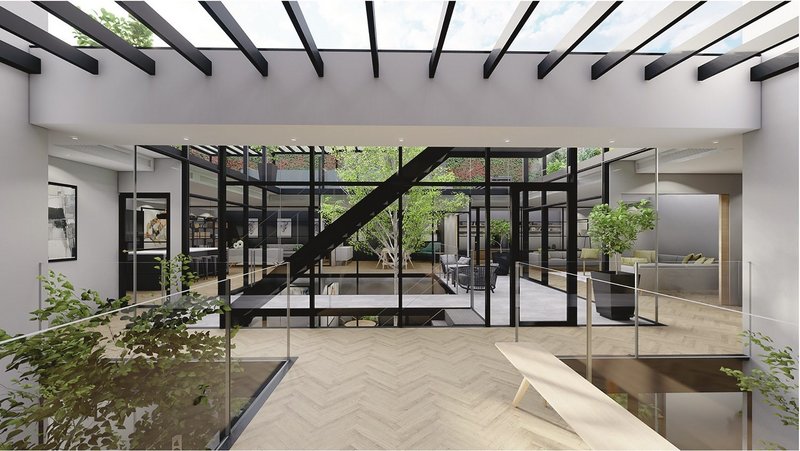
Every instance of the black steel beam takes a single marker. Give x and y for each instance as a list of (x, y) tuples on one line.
[(591, 20), (83, 22), (373, 38), (19, 59), (35, 35), (152, 20), (733, 22), (775, 66), (441, 34), (512, 29), (664, 20), (749, 49), (304, 33), (231, 27)]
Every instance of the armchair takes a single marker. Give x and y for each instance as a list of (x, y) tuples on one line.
[(478, 281)]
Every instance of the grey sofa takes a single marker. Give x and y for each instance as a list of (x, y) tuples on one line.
[(558, 259), (678, 277)]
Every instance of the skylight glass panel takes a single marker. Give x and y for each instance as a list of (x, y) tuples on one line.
[(548, 24), (192, 21), (476, 25), (705, 16), (620, 24), (337, 24), (754, 30), (266, 23), (406, 25), (66, 33)]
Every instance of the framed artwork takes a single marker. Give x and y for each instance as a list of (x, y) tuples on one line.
[(155, 227), (252, 227), (62, 222), (284, 227)]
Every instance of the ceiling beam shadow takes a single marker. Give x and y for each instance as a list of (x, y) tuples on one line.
[(591, 20), (231, 27), (304, 33), (87, 25), (152, 20), (35, 35), (19, 59), (510, 32), (441, 34), (775, 66), (664, 20), (733, 22), (373, 38), (769, 40)]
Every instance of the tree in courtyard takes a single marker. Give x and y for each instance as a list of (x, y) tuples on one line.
[(423, 207), (128, 28)]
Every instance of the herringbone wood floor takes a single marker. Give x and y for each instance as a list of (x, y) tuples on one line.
[(403, 388), (443, 388)]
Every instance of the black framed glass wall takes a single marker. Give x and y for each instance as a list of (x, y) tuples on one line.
[(261, 203)]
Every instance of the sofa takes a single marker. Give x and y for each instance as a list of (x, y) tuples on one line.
[(588, 258), (676, 273)]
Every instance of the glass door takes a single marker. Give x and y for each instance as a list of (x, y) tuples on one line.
[(144, 236)]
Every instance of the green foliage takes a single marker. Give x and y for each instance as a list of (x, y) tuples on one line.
[(500, 228), (423, 207), (584, 153), (617, 229), (121, 378), (778, 384), (175, 273), (128, 28), (556, 161)]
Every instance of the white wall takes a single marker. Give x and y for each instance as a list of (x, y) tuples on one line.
[(770, 229), (627, 181), (458, 107), (23, 200), (98, 226), (165, 178)]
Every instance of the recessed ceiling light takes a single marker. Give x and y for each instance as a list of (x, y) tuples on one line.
[(74, 138), (507, 140), (294, 139), (611, 141), (186, 138), (401, 139), (715, 142)]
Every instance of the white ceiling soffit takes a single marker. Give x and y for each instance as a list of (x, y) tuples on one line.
[(115, 158), (693, 161)]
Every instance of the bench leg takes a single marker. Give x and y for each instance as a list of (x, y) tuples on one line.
[(523, 388)]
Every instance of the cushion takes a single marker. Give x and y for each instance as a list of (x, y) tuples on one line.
[(648, 254), (630, 261), (697, 256), (687, 259), (699, 261), (590, 254), (708, 261), (463, 260)]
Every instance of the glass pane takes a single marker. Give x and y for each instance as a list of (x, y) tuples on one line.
[(549, 23), (623, 22), (692, 24), (193, 22), (406, 25), (476, 25), (266, 23), (340, 24)]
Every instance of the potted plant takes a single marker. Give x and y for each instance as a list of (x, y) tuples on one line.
[(616, 230)]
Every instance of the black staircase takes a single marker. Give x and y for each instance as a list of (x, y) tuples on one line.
[(348, 224)]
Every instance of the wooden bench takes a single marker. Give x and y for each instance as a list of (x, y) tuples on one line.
[(596, 418)]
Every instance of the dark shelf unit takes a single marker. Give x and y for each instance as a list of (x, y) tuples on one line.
[(202, 232)]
